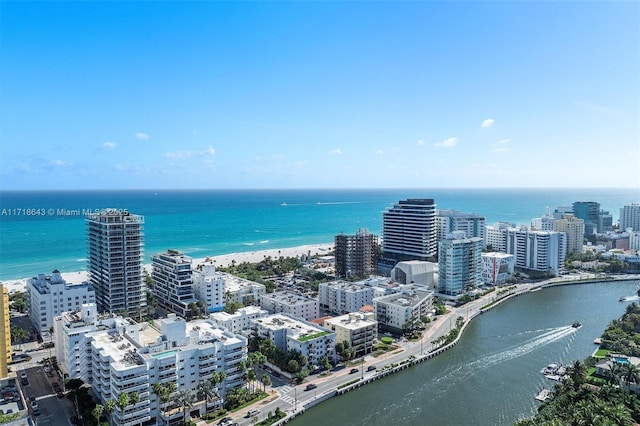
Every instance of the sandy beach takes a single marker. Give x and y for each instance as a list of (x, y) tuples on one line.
[(219, 261)]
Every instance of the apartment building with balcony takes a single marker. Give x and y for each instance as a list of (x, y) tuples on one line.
[(448, 221), (357, 328), (459, 264), (394, 312), (340, 297), (117, 355), (291, 333), (542, 251), (293, 304), (115, 252), (50, 295), (240, 321), (356, 255), (208, 286), (172, 281)]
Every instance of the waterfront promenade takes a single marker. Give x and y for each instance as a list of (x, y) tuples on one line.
[(294, 400)]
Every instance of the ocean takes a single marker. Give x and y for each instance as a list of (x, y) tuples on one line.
[(44, 230)]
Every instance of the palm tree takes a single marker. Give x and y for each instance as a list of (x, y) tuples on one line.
[(630, 374), (123, 400), (251, 377), (185, 398), (577, 373), (265, 379), (615, 370), (134, 398), (207, 392), (109, 406), (97, 412)]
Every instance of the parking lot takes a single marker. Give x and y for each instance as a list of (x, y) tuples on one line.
[(53, 408)]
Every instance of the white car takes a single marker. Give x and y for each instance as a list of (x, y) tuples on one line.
[(23, 375)]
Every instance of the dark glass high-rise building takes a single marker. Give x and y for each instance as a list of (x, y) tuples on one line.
[(356, 254), (115, 251), (588, 211)]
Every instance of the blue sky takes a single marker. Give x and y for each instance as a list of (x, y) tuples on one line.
[(319, 94)]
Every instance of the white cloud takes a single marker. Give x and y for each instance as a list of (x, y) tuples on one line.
[(447, 143), (487, 123), (503, 141), (420, 142), (210, 151), (379, 153), (109, 145), (502, 149), (336, 151), (61, 163), (142, 136)]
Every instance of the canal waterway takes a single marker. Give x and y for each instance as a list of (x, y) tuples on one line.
[(493, 374)]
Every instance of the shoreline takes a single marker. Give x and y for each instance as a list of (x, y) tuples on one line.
[(223, 260)]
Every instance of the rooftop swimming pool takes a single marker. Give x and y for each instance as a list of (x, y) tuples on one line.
[(164, 354)]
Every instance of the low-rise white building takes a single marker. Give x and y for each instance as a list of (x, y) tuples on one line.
[(341, 297), (394, 312), (497, 267), (124, 356), (239, 321), (208, 286), (290, 333), (357, 328), (243, 291), (50, 295), (291, 303)]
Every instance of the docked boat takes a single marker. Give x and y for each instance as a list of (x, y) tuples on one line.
[(544, 395), (576, 324), (622, 299), (551, 368)]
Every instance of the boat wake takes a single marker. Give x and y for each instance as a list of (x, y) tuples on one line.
[(464, 372)]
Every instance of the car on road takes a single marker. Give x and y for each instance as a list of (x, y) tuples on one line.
[(252, 413), (371, 368), (353, 371), (311, 386), (35, 407), (23, 375), (225, 422)]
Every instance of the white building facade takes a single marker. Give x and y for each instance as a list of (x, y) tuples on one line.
[(395, 311), (409, 230), (542, 251), (290, 333), (472, 224), (630, 217), (342, 297), (239, 321), (574, 229), (497, 267), (359, 329), (292, 304), (50, 295), (208, 286)]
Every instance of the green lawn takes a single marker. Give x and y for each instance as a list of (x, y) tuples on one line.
[(602, 353)]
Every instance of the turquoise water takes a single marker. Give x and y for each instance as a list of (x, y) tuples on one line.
[(202, 223), (164, 354)]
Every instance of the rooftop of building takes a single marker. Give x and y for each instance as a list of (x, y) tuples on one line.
[(346, 286), (458, 214), (247, 310), (409, 296), (174, 255), (287, 297), (497, 254), (297, 329), (233, 283), (352, 321), (43, 282)]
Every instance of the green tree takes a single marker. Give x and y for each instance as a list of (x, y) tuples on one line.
[(206, 391), (185, 399), (123, 400), (109, 406), (97, 411), (265, 379)]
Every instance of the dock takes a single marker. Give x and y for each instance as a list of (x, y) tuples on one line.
[(544, 395)]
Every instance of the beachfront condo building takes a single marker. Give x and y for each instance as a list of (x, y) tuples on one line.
[(172, 282), (341, 297), (497, 267), (356, 255), (414, 272), (496, 239), (408, 232), (208, 286), (118, 355), (293, 304), (402, 310), (50, 295), (240, 321), (448, 221), (459, 264), (541, 251), (543, 223), (630, 217), (574, 228), (290, 333), (243, 291), (5, 333), (358, 328), (115, 254)]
